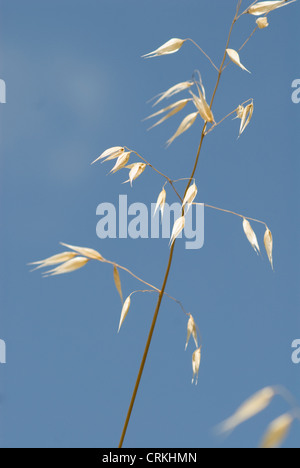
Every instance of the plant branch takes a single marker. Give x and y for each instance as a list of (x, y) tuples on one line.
[(168, 179), (173, 247), (153, 288), (247, 9), (204, 53), (246, 42), (232, 212), (226, 117)]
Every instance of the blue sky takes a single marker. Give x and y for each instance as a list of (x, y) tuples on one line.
[(76, 85)]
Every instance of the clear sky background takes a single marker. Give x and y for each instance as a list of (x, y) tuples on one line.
[(76, 85)]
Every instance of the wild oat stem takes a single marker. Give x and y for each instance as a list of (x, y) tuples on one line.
[(144, 358)]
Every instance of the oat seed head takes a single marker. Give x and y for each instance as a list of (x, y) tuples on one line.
[(190, 196), (68, 267), (161, 201), (268, 241), (253, 406), (191, 330), (110, 153), (235, 58), (246, 117), (125, 311), (251, 236), (85, 251), (118, 284), (176, 107), (185, 125), (121, 162), (277, 432), (136, 170), (263, 8), (177, 229), (262, 23), (54, 260), (170, 47), (174, 90), (203, 107), (196, 361)]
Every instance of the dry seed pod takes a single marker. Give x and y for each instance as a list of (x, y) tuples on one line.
[(253, 406), (191, 330), (277, 432), (68, 267), (161, 201), (185, 125), (235, 58), (170, 47), (239, 112), (125, 311), (262, 23), (136, 170), (176, 107), (190, 196), (203, 107), (89, 253), (263, 8), (121, 162), (54, 260), (117, 281), (111, 152), (196, 360), (174, 90), (246, 117), (177, 229), (268, 241), (251, 236)]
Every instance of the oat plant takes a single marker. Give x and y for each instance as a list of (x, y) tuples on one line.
[(200, 113), (279, 428)]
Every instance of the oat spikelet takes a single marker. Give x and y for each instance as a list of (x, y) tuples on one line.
[(121, 162), (190, 196), (253, 406), (196, 360), (235, 58), (175, 108), (125, 311), (185, 125), (251, 236), (117, 281), (170, 47), (268, 241), (161, 201), (111, 152), (262, 23), (136, 170), (191, 330), (54, 260), (239, 112), (173, 91), (177, 229), (277, 432), (69, 266), (263, 8), (246, 117), (86, 252), (203, 107)]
